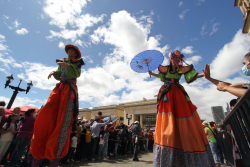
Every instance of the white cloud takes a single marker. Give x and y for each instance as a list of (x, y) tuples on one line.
[(16, 23), (187, 50), (6, 17), (2, 46), (215, 28), (85, 58), (200, 1), (229, 59), (23, 101), (61, 45), (194, 39), (69, 13), (193, 60), (182, 15), (203, 29), (38, 74), (129, 35), (9, 27), (180, 4), (22, 31), (9, 61), (63, 12)]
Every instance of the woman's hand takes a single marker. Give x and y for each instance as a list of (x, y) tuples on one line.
[(206, 72), (62, 64), (52, 73), (150, 72)]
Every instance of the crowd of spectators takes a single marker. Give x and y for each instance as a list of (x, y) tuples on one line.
[(91, 140), (218, 140)]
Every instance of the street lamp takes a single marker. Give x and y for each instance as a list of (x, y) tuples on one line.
[(9, 79), (29, 86), (128, 118), (16, 89)]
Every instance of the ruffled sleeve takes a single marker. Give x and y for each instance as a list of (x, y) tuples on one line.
[(162, 76), (73, 70), (58, 73), (190, 76)]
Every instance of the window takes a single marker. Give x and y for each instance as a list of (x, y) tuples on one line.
[(150, 118)]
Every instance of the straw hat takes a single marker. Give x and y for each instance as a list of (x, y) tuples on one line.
[(205, 123), (67, 47)]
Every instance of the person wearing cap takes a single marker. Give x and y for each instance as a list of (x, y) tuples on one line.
[(212, 141), (136, 129), (177, 116), (53, 126)]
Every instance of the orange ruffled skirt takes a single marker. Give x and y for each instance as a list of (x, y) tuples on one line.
[(179, 135), (44, 143)]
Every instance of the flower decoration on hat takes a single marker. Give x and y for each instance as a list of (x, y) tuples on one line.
[(177, 52)]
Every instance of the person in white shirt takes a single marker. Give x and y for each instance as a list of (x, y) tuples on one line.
[(7, 133), (73, 146)]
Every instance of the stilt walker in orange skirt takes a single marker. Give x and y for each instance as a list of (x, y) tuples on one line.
[(53, 125), (179, 136)]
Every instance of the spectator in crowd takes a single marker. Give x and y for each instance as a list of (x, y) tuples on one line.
[(107, 129), (17, 111), (95, 134), (136, 129), (146, 138), (232, 103), (24, 136), (123, 137), (3, 116), (141, 141), (100, 116), (117, 141), (129, 135), (212, 141), (2, 103), (225, 139), (73, 144), (14, 141), (100, 145), (7, 133), (151, 140), (216, 132), (236, 89), (79, 143), (86, 141)]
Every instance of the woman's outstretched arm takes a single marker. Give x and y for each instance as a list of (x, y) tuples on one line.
[(200, 75)]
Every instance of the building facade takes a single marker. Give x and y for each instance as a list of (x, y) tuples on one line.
[(244, 6), (143, 111), (218, 114)]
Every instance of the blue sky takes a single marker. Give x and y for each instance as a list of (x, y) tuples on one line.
[(109, 34)]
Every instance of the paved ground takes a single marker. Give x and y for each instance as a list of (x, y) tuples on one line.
[(146, 160)]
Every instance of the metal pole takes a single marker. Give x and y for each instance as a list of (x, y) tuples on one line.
[(12, 98)]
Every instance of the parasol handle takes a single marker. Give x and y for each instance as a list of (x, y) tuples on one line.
[(148, 71)]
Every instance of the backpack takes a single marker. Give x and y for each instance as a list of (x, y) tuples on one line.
[(215, 135)]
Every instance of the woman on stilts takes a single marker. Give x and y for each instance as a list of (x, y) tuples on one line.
[(179, 138), (53, 125)]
